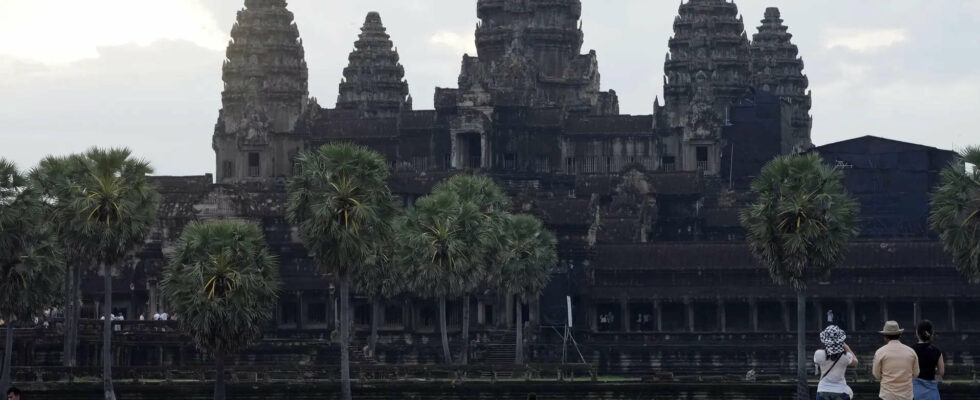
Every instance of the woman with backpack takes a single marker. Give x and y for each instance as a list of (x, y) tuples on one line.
[(832, 362)]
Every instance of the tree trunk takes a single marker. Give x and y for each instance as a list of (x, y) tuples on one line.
[(219, 378), (110, 393), (447, 356), (8, 350), (464, 357), (375, 323), (519, 346), (345, 392), (802, 390), (69, 315), (76, 299)]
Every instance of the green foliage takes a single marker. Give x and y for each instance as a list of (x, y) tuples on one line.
[(802, 219), (340, 201), (382, 276), (441, 240), (491, 201), (528, 254), (223, 283), (31, 260), (105, 204), (956, 214)]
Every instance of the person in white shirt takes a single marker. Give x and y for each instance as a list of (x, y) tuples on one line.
[(832, 362), (163, 316), (156, 316)]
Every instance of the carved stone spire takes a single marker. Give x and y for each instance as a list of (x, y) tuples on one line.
[(374, 80), (778, 69), (529, 55), (265, 93), (265, 73), (709, 36)]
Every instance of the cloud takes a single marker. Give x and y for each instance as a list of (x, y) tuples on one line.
[(64, 31), (864, 40), (458, 43)]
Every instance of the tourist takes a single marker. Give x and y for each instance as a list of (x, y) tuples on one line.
[(832, 362), (895, 365), (13, 393), (164, 316), (931, 365), (156, 316)]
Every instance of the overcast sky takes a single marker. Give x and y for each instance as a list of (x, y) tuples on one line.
[(147, 73)]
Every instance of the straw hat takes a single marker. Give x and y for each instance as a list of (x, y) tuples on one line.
[(891, 328)]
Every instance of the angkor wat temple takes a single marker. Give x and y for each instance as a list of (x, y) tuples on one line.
[(645, 206)]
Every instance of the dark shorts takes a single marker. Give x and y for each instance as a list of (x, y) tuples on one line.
[(833, 396)]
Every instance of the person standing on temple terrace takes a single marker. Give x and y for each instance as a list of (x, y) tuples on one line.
[(895, 365), (832, 362), (931, 365)]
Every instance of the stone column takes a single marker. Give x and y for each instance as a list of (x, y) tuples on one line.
[(593, 315), (408, 316), (510, 311), (300, 314), (952, 314), (481, 313), (821, 319), (786, 322), (884, 310), (689, 308), (151, 288), (455, 158), (916, 311), (659, 315), (754, 315), (534, 312), (624, 313), (722, 323), (851, 315)]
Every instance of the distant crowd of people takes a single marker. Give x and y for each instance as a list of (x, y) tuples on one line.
[(905, 373)]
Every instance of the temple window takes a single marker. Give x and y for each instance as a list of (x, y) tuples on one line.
[(702, 158), (289, 314), (316, 313), (393, 315), (228, 169), (254, 165), (669, 164)]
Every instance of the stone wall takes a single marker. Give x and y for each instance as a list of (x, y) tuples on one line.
[(469, 391)]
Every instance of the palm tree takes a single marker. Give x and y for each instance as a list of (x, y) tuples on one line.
[(113, 207), (482, 192), (956, 213), (224, 283), (340, 202), (54, 177), (435, 240), (382, 278), (798, 226), (527, 256), (30, 258)]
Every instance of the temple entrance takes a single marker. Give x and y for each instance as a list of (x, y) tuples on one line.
[(470, 150)]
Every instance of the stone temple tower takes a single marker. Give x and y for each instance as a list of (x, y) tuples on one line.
[(708, 67), (374, 81), (529, 55), (266, 78), (778, 69)]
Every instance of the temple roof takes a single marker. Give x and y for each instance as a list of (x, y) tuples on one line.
[(374, 80)]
